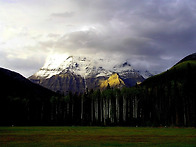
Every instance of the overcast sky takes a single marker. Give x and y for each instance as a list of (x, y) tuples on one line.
[(151, 34)]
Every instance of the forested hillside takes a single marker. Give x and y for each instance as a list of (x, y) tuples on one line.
[(173, 94), (167, 99), (21, 101)]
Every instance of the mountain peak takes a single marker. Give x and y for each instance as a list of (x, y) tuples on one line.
[(85, 72), (70, 57), (126, 64), (114, 81), (83, 66)]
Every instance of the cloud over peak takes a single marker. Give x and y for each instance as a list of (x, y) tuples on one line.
[(145, 32)]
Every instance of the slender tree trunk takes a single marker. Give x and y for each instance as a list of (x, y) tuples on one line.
[(117, 109), (109, 109), (101, 110), (92, 113), (42, 112), (135, 107), (184, 116), (82, 109), (104, 111), (124, 109), (72, 112)]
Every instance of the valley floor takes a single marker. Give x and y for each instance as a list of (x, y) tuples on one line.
[(96, 136)]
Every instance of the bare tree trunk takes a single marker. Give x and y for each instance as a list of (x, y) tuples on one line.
[(184, 111), (117, 109), (184, 116), (135, 107), (96, 110), (72, 111), (92, 107), (64, 112), (109, 109), (82, 109), (101, 110), (42, 112), (124, 109), (68, 109), (104, 111)]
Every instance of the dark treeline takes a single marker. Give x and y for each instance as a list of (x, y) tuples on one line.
[(136, 106), (164, 100)]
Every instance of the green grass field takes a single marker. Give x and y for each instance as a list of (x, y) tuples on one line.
[(97, 136)]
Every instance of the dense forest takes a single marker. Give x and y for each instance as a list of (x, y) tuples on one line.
[(167, 99), (136, 106)]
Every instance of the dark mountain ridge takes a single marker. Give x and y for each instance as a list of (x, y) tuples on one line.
[(188, 58), (14, 84), (184, 70), (21, 101), (172, 93)]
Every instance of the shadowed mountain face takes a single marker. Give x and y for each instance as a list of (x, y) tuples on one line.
[(64, 83), (14, 84), (22, 102), (78, 73)]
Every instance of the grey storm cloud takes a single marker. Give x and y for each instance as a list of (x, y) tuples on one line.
[(152, 34), (65, 14), (142, 29)]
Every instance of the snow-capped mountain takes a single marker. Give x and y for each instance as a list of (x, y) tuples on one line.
[(145, 73), (85, 67), (64, 73)]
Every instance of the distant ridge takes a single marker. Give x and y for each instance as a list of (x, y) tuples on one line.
[(14, 84), (23, 102)]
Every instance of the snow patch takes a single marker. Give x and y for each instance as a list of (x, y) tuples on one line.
[(83, 66)]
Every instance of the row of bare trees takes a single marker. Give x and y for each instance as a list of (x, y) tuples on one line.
[(108, 107), (169, 104)]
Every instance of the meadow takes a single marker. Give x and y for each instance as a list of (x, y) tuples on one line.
[(97, 136)]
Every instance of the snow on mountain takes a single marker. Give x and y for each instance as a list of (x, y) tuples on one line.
[(146, 74), (76, 73), (52, 66), (125, 66), (83, 66)]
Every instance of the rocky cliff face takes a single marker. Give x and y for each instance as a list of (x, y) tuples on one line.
[(69, 73), (63, 83), (113, 81)]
